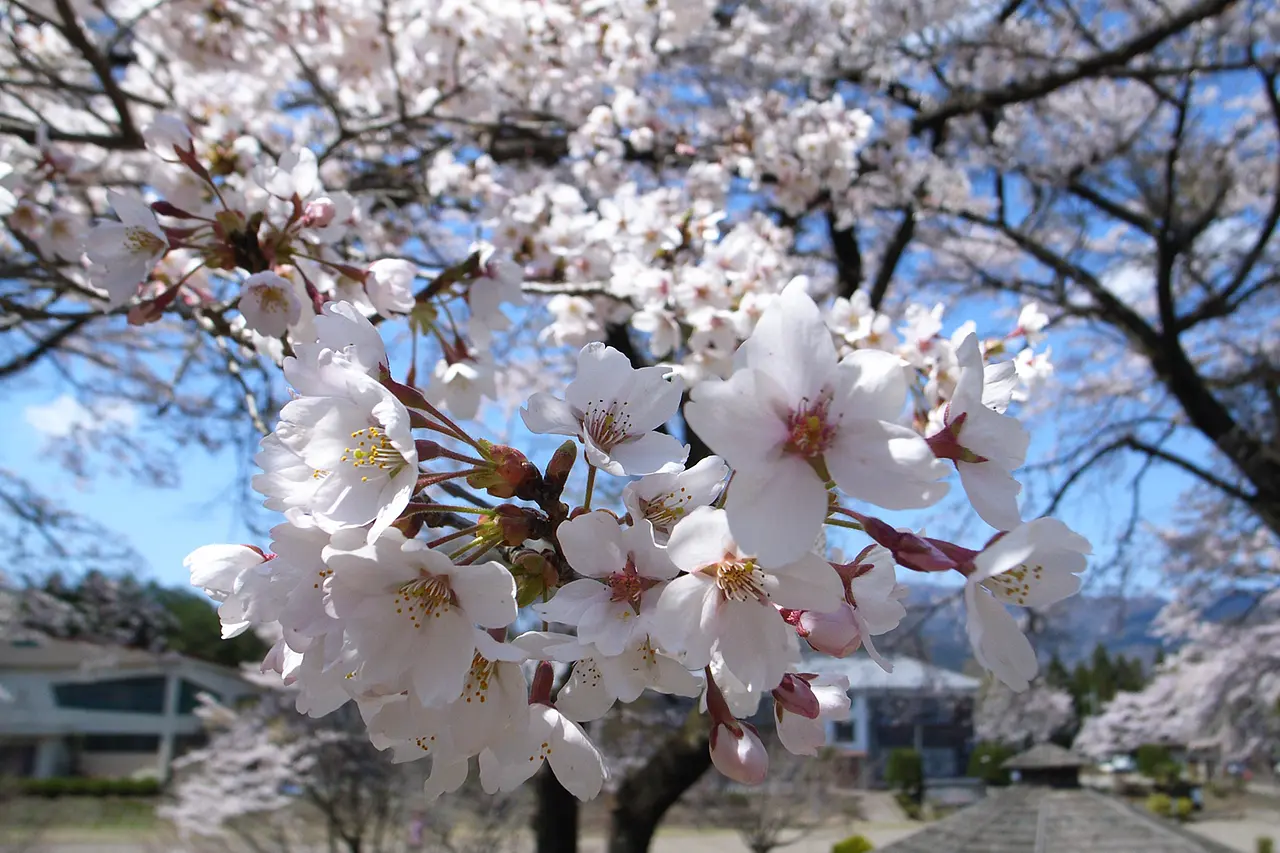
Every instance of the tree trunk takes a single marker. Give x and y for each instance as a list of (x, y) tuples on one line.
[(647, 793), (555, 820)]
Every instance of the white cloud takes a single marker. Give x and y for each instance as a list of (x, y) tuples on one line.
[(65, 415)]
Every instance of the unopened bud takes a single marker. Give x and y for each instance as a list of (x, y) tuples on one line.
[(795, 695), (836, 633), (739, 755), (510, 473), (428, 449), (558, 469), (319, 212), (517, 525), (908, 549), (164, 208)]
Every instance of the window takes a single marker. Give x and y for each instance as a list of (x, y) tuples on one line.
[(138, 695), (845, 731), (120, 743), (187, 693)]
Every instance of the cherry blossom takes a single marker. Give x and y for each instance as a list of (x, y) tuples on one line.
[(872, 606), (411, 612), (269, 304), (548, 737), (803, 734), (355, 437), (727, 601), (793, 415), (659, 501), (124, 253), (614, 408), (390, 286), (985, 444), (624, 575)]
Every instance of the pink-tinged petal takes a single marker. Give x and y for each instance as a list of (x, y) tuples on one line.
[(737, 421), (217, 567), (573, 600), (993, 493), (808, 583), (442, 658), (776, 513), (584, 696), (602, 373), (702, 538), (871, 385), (592, 544), (106, 239), (486, 592), (578, 765), (801, 736), (612, 627), (998, 644), (652, 397), (968, 392), (791, 344), (545, 414), (650, 561), (886, 464), (1006, 553), (446, 777), (677, 620), (869, 645), (753, 642), (133, 211), (648, 454), (997, 438), (999, 381)]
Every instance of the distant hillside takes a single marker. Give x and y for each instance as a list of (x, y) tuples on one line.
[(935, 627)]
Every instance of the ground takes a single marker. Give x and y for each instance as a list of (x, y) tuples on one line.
[(89, 825)]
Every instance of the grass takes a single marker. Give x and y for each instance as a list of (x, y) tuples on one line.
[(75, 818)]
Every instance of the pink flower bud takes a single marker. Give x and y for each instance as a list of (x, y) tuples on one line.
[(739, 755), (320, 212), (795, 695), (834, 633)]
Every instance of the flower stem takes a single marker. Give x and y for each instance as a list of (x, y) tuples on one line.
[(848, 525), (591, 484), (449, 537)]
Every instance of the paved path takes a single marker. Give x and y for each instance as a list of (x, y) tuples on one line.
[(1241, 834)]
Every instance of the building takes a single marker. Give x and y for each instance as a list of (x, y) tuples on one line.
[(1047, 764), (76, 708), (1046, 811), (917, 706)]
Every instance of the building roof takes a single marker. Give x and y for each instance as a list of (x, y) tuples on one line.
[(1045, 756), (41, 652), (908, 674), (1045, 820)]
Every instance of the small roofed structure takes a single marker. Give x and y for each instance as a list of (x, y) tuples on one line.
[(1039, 819), (1047, 764)]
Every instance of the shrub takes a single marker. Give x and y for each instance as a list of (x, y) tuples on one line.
[(905, 772), (1182, 808), (1152, 760), (985, 762), (909, 805), (853, 844), (82, 787), (1265, 844), (1160, 804)]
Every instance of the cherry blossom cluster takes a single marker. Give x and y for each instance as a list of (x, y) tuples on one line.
[(705, 582)]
